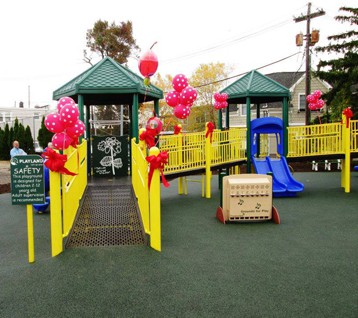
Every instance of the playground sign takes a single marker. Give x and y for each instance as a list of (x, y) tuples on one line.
[(27, 180)]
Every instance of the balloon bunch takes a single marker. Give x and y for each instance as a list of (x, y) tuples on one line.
[(65, 124), (314, 101), (182, 97), (148, 65), (220, 100)]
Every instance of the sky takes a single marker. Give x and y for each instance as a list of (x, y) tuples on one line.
[(43, 41)]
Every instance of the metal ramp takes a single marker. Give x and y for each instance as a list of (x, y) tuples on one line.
[(108, 216)]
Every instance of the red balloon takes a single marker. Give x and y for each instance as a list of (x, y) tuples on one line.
[(69, 115), (172, 98), (179, 82), (181, 111), (148, 63), (188, 95), (217, 105), (61, 141), (53, 123), (154, 123), (76, 130), (217, 96), (64, 101), (223, 104)]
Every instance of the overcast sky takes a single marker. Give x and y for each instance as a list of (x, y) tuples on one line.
[(43, 41)]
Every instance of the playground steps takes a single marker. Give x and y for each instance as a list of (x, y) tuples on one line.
[(108, 216)]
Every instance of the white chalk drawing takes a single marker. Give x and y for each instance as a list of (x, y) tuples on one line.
[(112, 146)]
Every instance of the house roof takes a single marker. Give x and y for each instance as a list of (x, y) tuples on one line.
[(260, 89), (108, 82), (287, 79)]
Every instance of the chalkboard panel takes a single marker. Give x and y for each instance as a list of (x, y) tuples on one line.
[(110, 156), (27, 180)]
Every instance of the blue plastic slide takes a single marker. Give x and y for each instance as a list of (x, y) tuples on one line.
[(284, 185)]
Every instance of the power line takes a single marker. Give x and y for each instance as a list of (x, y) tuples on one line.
[(226, 43), (231, 77)]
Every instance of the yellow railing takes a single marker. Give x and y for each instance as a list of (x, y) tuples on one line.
[(148, 199), (65, 195), (73, 187), (315, 140), (354, 135)]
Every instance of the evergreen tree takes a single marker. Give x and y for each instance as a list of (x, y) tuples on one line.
[(2, 133), (44, 135), (16, 130), (6, 142), (21, 135), (28, 142), (341, 72), (11, 137)]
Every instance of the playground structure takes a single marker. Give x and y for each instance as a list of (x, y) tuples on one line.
[(283, 182)]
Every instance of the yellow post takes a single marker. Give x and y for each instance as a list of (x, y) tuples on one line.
[(346, 164), (154, 207), (56, 214), (180, 160), (207, 162), (30, 233)]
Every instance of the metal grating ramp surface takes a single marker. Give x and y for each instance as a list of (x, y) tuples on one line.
[(108, 217)]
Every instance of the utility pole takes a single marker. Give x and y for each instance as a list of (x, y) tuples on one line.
[(309, 43)]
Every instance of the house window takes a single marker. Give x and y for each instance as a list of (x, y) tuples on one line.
[(301, 102), (243, 109)]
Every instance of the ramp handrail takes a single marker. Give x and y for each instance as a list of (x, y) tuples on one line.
[(148, 199), (65, 195)]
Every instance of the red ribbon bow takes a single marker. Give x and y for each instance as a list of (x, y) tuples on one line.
[(177, 129), (211, 127), (349, 114), (149, 137), (157, 162), (56, 162)]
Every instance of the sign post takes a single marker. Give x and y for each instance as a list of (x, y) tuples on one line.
[(28, 188)]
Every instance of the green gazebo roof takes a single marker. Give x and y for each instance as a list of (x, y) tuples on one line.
[(260, 89), (108, 82)]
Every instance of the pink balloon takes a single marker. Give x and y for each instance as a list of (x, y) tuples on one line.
[(77, 130), (61, 141), (312, 106), (69, 115), (311, 98), (188, 95), (64, 101), (217, 105), (172, 98), (223, 104), (179, 82), (181, 111), (317, 94), (217, 96), (53, 123), (320, 103)]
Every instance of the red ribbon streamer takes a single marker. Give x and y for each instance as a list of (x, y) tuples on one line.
[(149, 137), (177, 129), (349, 114), (211, 127), (157, 162), (56, 162)]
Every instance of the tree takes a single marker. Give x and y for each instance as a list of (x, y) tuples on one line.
[(115, 41), (341, 72), (2, 133), (44, 135), (208, 79), (28, 142), (16, 129), (6, 142)]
